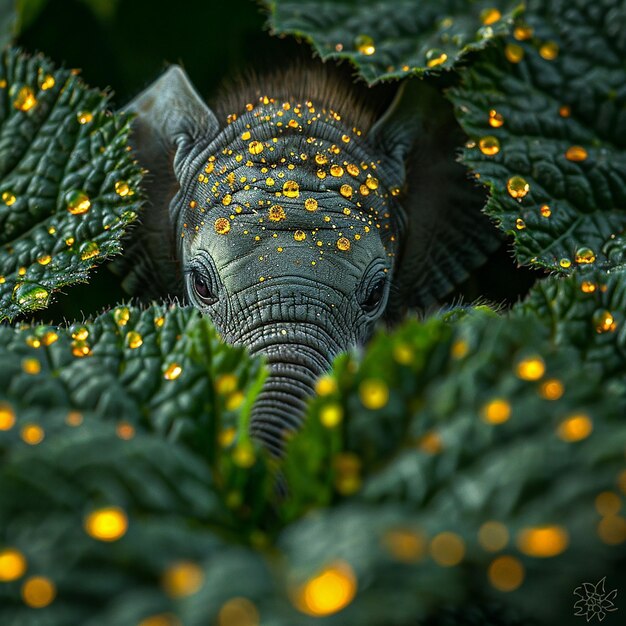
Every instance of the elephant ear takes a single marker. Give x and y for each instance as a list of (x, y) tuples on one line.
[(445, 234), (170, 121)]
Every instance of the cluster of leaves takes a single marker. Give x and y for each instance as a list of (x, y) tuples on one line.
[(469, 458)]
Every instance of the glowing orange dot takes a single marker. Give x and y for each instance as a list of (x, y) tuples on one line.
[(182, 579), (531, 368), (496, 411), (12, 564), (551, 389), (238, 612), (328, 592), (447, 549), (506, 573), (32, 434), (543, 541), (7, 416), (374, 393), (575, 428), (107, 524), (493, 536), (38, 592), (405, 545)]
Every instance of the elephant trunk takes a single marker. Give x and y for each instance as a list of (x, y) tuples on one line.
[(281, 404)]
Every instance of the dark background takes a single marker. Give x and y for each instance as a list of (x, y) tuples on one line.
[(125, 44)]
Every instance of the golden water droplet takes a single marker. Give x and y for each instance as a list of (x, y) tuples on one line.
[(44, 259), (346, 191), (255, 147), (30, 294), (49, 337), (490, 16), (329, 591), (576, 153), (291, 189), (245, 135), (513, 52), (80, 349), (121, 315), (517, 187), (299, 235), (545, 211), (506, 573), (106, 524), (122, 188), (575, 428), (395, 191), (373, 393), (549, 50), (565, 111), (276, 213), (365, 45), (38, 592), (435, 57), (604, 321), (495, 119), (530, 368), (363, 190), (584, 256), (227, 199), (310, 204), (89, 250), (496, 411), (7, 421), (331, 415), (493, 536), (84, 117), (447, 549), (210, 166), (25, 99), (522, 32), (32, 434), (134, 340), (335, 149), (343, 244), (31, 366), (371, 183), (12, 564), (48, 82), (8, 198), (520, 224), (77, 202), (587, 286), (352, 169), (489, 145), (221, 226), (336, 170), (551, 389), (321, 159), (182, 579), (173, 371), (543, 541), (325, 385), (565, 263)]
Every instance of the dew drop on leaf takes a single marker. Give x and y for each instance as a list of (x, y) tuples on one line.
[(29, 294), (89, 250), (435, 57), (25, 99), (517, 187), (489, 145), (78, 202), (84, 117), (365, 45), (585, 255)]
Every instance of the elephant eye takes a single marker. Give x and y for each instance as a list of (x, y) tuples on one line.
[(374, 295), (202, 288)]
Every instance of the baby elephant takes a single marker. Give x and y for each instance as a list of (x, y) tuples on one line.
[(289, 219)]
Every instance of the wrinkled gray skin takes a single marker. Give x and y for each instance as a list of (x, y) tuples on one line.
[(235, 237)]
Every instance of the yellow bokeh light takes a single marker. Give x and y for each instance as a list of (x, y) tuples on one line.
[(430, 443), (460, 348), (182, 579), (38, 591), (374, 393), (325, 386), (12, 564), (7, 416), (608, 503), (331, 415), (551, 389), (32, 434), (225, 384), (543, 541), (447, 549), (74, 418), (496, 411), (531, 368), (31, 366), (106, 524), (493, 536), (612, 529), (162, 619), (575, 428), (506, 573), (328, 592), (238, 612), (405, 545)]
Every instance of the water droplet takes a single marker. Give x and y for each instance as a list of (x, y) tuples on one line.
[(227, 199), (310, 204), (371, 183), (365, 45), (489, 145), (513, 52), (585, 255), (122, 188), (522, 32), (495, 119), (531, 368), (576, 153), (291, 189), (321, 159), (89, 250), (345, 139), (299, 235), (352, 169), (343, 244), (107, 524), (49, 337), (134, 340), (255, 147), (84, 117), (80, 349), (395, 191), (604, 321), (490, 16), (549, 50), (276, 213), (496, 411), (565, 263), (346, 191), (25, 99), (336, 170), (173, 371), (8, 198), (575, 428), (77, 202), (245, 135), (545, 210), (520, 224), (435, 57), (587, 286), (363, 190), (44, 259), (48, 82), (221, 226), (29, 294), (517, 187)]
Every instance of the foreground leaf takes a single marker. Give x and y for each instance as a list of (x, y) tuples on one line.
[(68, 185), (546, 114), (390, 40)]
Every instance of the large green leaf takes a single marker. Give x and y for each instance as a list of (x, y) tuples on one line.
[(68, 185), (389, 40), (546, 114)]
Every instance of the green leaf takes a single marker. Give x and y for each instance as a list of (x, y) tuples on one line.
[(546, 114), (390, 40), (68, 185)]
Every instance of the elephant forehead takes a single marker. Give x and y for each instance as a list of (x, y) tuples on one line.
[(288, 173)]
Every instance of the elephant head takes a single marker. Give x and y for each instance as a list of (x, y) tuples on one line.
[(287, 222)]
